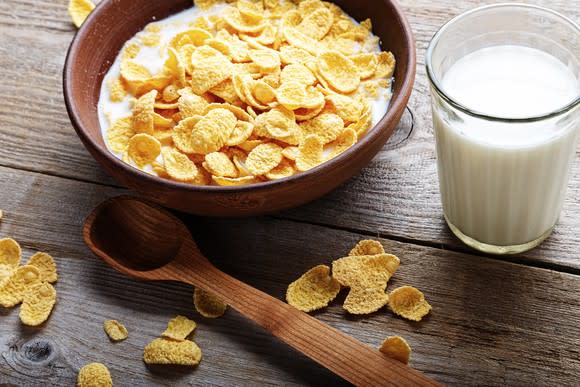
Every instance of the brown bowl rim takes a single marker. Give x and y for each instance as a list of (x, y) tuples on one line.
[(371, 135)]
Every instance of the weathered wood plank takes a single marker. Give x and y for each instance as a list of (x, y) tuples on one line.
[(492, 322)]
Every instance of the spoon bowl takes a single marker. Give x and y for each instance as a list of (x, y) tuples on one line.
[(145, 241)]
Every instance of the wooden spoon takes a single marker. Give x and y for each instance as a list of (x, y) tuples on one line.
[(144, 241)]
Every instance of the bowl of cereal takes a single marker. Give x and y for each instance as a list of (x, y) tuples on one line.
[(238, 108)]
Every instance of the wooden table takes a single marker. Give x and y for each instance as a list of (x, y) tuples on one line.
[(495, 320)]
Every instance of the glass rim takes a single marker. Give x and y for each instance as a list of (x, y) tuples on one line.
[(472, 112)]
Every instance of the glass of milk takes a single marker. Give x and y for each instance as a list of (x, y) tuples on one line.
[(505, 93)]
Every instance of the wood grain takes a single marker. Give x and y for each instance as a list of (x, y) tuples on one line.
[(396, 196), (493, 322)]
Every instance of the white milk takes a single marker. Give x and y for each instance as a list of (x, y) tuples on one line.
[(501, 183)]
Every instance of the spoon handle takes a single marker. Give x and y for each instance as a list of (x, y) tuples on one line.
[(335, 350)]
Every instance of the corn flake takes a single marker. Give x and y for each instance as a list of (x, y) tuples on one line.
[(143, 113), (314, 290), (207, 304), (178, 328), (367, 277), (10, 252), (317, 23), (211, 132), (283, 170), (13, 289), (79, 10), (45, 265), (367, 247), (339, 71), (385, 66), (409, 302), (178, 166), (309, 153), (210, 68), (94, 375), (219, 164), (37, 303), (233, 182), (165, 351), (143, 149), (115, 330), (299, 73), (342, 143), (263, 159), (326, 126), (396, 348), (366, 64)]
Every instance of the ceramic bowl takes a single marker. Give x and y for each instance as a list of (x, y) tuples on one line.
[(113, 22)]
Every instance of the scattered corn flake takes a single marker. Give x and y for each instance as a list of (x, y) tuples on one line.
[(314, 290), (207, 304), (396, 348), (409, 302), (309, 153), (367, 247), (45, 265), (164, 351), (367, 278), (13, 289), (178, 166), (263, 159), (94, 375), (37, 303), (178, 328), (143, 149), (219, 164), (339, 71), (326, 126), (79, 10), (361, 300), (115, 330), (10, 252)]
